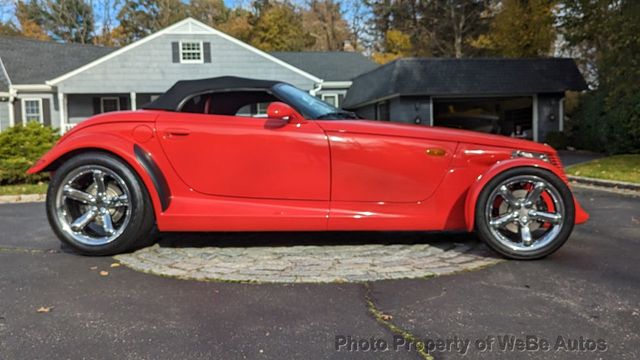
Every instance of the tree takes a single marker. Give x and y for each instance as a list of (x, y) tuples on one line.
[(325, 23), (238, 24), (210, 12), (31, 18), (8, 29), (279, 27), (605, 32), (397, 45), (139, 18), (69, 20), (435, 27), (522, 28)]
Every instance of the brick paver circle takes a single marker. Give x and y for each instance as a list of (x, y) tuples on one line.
[(310, 264)]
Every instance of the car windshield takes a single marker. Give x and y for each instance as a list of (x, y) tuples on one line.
[(310, 106)]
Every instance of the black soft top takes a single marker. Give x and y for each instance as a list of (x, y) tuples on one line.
[(182, 90)]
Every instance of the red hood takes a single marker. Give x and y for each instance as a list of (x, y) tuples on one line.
[(428, 132)]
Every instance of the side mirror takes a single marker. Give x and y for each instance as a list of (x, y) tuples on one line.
[(280, 110)]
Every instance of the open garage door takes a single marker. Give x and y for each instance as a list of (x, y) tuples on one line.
[(510, 116)]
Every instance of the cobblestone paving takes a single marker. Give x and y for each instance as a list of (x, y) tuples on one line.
[(310, 264)]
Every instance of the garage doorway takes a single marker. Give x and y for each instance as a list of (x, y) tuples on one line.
[(509, 116)]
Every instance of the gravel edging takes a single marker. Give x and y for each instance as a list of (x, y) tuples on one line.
[(621, 185), (25, 198)]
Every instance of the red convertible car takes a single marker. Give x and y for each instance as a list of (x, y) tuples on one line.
[(205, 157)]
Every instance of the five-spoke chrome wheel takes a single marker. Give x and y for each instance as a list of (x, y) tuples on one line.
[(93, 205), (525, 213)]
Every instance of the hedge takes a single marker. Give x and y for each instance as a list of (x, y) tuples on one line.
[(20, 147)]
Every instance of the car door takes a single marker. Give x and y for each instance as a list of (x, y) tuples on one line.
[(381, 162), (248, 157)]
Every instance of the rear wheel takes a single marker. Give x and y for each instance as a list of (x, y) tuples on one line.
[(525, 213), (97, 205)]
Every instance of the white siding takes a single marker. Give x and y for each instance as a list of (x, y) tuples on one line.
[(149, 68)]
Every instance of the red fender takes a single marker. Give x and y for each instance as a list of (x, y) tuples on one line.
[(108, 142), (501, 166)]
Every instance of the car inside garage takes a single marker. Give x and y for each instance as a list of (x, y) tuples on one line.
[(510, 116)]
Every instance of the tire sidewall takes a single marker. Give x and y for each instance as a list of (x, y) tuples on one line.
[(140, 206), (482, 228)]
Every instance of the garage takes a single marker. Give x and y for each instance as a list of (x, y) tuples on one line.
[(521, 98)]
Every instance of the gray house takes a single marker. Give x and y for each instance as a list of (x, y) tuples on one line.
[(63, 84), (513, 97)]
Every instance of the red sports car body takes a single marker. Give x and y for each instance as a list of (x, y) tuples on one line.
[(205, 170)]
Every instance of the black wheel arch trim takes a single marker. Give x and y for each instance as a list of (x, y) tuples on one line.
[(156, 175)]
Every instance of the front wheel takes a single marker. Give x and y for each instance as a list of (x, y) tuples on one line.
[(97, 205), (525, 213)]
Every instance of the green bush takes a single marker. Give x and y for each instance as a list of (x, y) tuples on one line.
[(20, 147), (556, 139), (606, 123)]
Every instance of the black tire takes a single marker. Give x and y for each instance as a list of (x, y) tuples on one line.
[(139, 229), (482, 225)]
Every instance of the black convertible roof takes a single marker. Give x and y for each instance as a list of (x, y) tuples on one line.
[(173, 98)]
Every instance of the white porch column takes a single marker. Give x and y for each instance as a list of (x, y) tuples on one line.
[(12, 115), (62, 110), (134, 106)]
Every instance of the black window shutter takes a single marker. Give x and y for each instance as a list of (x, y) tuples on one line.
[(17, 111), (46, 112), (96, 105), (124, 103), (175, 51), (206, 49)]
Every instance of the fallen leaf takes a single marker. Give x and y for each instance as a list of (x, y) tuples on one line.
[(115, 265), (44, 309), (93, 268), (104, 273), (386, 317)]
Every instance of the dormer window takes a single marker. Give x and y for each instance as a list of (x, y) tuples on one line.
[(191, 52)]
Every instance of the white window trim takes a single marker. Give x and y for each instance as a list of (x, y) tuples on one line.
[(102, 99), (24, 110), (334, 96), (201, 61)]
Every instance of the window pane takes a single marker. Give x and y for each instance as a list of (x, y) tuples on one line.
[(191, 51), (32, 110), (110, 105)]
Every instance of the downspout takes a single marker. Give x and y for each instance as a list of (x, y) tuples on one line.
[(314, 91)]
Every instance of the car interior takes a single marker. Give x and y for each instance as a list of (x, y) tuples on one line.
[(230, 103)]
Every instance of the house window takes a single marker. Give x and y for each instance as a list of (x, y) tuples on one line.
[(331, 99), (108, 104), (191, 52), (32, 110)]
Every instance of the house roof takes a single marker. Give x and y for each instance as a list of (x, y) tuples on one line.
[(4, 79), (329, 65), (442, 77), (30, 61)]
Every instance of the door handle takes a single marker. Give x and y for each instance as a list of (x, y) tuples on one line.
[(177, 132)]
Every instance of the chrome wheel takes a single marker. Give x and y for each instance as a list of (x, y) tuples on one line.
[(525, 213), (92, 205)]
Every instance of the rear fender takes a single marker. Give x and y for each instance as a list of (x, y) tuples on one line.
[(100, 141), (502, 166)]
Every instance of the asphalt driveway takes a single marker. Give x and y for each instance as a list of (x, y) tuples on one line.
[(589, 290)]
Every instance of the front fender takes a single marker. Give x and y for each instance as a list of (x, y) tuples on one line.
[(499, 167), (108, 142)]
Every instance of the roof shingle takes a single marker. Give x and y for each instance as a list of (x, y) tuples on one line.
[(329, 65), (30, 61), (494, 76)]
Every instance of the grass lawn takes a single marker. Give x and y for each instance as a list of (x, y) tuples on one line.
[(23, 189), (617, 167)]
